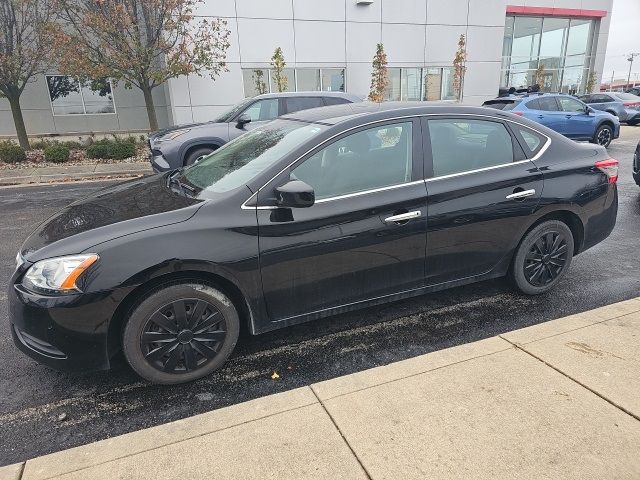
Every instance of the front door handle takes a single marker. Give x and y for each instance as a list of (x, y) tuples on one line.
[(403, 217), (521, 194)]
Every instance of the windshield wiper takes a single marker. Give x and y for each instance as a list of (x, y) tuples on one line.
[(184, 188)]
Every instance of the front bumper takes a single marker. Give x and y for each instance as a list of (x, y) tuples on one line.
[(158, 162), (67, 332)]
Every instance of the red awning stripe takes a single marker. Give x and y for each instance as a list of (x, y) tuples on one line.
[(556, 12)]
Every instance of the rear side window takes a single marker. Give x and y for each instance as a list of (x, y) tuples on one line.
[(266, 109), (295, 104), (548, 104), (534, 104), (530, 140), (459, 146), (335, 101)]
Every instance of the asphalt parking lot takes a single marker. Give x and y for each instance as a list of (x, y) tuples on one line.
[(42, 411)]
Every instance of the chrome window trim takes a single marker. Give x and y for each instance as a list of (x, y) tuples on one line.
[(244, 205)]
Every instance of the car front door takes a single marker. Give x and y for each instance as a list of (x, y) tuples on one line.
[(578, 123), (545, 110), (365, 235), (260, 112), (481, 190)]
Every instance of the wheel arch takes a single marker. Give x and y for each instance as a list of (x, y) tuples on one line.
[(226, 286), (571, 219), (192, 148)]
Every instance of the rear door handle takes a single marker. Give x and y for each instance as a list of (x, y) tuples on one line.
[(403, 217), (521, 194)]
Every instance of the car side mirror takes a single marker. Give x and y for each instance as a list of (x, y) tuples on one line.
[(295, 194), (242, 121), (588, 110)]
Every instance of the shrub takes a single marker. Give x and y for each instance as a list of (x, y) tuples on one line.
[(11, 153), (56, 153), (73, 145), (40, 144), (114, 149)]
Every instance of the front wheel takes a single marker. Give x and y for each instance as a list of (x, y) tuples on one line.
[(603, 135), (196, 155), (542, 258), (180, 333)]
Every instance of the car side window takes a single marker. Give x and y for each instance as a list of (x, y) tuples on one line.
[(530, 140), (464, 145), (335, 100), (295, 104), (262, 110), (548, 104), (570, 105), (377, 157), (534, 104)]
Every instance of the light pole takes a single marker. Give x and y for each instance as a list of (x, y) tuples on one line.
[(630, 60)]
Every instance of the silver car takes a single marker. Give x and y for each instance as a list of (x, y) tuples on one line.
[(625, 106), (183, 145)]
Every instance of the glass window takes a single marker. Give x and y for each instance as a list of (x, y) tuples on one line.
[(526, 39), (411, 79), (290, 80), (463, 145), (71, 97), (579, 37), (573, 79), (393, 88), (335, 101), (432, 83), (374, 158), (627, 97), (554, 35), (333, 79), (266, 109), (447, 84), (240, 160), (295, 104), (531, 141), (570, 104), (256, 81), (308, 79), (548, 104)]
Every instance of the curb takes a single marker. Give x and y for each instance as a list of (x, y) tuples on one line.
[(33, 180)]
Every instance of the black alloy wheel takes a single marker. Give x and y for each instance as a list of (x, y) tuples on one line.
[(183, 335), (546, 259), (543, 257), (604, 135), (180, 332)]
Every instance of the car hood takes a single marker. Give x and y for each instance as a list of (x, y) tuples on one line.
[(113, 212), (159, 133)]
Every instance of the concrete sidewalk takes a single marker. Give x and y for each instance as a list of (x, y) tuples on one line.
[(73, 173), (559, 400)]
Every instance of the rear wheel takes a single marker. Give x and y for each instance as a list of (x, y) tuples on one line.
[(543, 257), (180, 333), (603, 135), (197, 154)]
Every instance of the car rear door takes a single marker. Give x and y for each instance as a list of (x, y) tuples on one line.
[(365, 236), (480, 191), (578, 123), (545, 110)]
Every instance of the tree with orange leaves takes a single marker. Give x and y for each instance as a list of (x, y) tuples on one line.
[(379, 76), (141, 43)]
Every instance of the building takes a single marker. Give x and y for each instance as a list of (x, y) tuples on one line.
[(329, 45)]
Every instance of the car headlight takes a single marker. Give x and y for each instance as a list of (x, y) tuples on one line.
[(172, 135), (18, 260), (58, 274)]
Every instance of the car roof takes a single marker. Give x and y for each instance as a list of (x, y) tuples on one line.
[(379, 111), (348, 96)]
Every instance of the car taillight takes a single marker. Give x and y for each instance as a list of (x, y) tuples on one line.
[(632, 104), (610, 168), (520, 114)]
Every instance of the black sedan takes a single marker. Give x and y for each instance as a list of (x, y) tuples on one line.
[(316, 213)]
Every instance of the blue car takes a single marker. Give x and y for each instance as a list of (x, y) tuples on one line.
[(564, 114)]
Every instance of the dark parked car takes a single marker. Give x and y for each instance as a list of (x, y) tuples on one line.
[(184, 144), (319, 212), (634, 91), (625, 106), (564, 114)]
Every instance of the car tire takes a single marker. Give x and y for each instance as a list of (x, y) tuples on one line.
[(539, 263), (196, 154), (603, 135), (165, 346)]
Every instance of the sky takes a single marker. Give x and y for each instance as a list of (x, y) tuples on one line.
[(623, 39)]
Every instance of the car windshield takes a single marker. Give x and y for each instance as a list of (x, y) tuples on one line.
[(242, 159), (627, 97), (501, 104), (232, 112)]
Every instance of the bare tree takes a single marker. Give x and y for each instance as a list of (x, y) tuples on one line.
[(25, 28), (142, 43)]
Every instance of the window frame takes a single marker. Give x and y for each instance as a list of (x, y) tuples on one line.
[(517, 150), (417, 161), (84, 107)]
